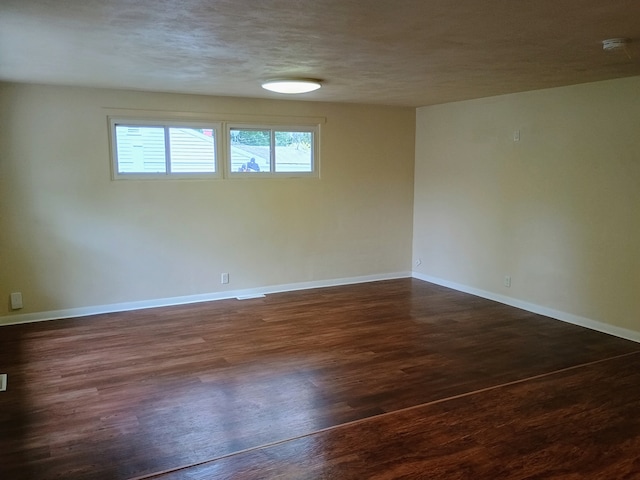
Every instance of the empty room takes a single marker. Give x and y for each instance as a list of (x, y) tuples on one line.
[(319, 240)]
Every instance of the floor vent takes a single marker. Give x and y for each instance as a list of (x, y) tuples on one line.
[(249, 297), (3, 382)]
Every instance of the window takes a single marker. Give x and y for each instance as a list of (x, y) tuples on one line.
[(172, 145), (272, 151), (148, 149)]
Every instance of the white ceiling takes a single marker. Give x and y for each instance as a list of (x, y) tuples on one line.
[(394, 52)]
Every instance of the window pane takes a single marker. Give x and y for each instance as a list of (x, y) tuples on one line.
[(250, 150), (192, 150), (294, 152), (140, 149)]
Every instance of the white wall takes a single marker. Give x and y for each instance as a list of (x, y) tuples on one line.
[(558, 211), (71, 237)]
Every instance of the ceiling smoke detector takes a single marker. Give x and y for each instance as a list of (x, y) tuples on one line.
[(614, 44)]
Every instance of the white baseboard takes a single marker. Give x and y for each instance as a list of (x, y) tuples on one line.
[(532, 307), (205, 297), (289, 287)]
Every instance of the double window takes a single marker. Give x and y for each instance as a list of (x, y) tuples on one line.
[(146, 149), (156, 149), (279, 150)]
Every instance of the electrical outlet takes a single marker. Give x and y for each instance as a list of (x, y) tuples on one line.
[(224, 278), (16, 301), (507, 281)]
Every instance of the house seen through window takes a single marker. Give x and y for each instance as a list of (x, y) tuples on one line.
[(155, 149), (142, 149)]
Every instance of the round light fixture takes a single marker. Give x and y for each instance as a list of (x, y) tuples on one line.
[(614, 44), (292, 85)]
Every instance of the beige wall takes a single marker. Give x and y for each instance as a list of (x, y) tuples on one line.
[(558, 211), (71, 237)]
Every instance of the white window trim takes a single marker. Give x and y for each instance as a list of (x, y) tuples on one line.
[(165, 122), (274, 127), (221, 124)]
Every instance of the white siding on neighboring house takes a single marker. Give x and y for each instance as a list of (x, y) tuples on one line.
[(191, 151)]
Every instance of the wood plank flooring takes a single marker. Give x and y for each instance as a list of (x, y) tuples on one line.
[(393, 379)]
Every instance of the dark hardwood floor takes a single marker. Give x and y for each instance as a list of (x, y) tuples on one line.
[(393, 379)]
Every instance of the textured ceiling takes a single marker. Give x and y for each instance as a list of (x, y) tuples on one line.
[(401, 52)]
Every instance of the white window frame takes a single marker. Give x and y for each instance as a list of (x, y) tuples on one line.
[(314, 129), (166, 123)]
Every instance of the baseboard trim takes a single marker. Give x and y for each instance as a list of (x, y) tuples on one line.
[(206, 297), (290, 287), (533, 308)]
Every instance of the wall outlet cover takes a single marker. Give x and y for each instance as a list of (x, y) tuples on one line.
[(16, 300)]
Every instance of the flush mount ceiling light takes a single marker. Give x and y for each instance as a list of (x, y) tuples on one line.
[(614, 44), (292, 85)]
